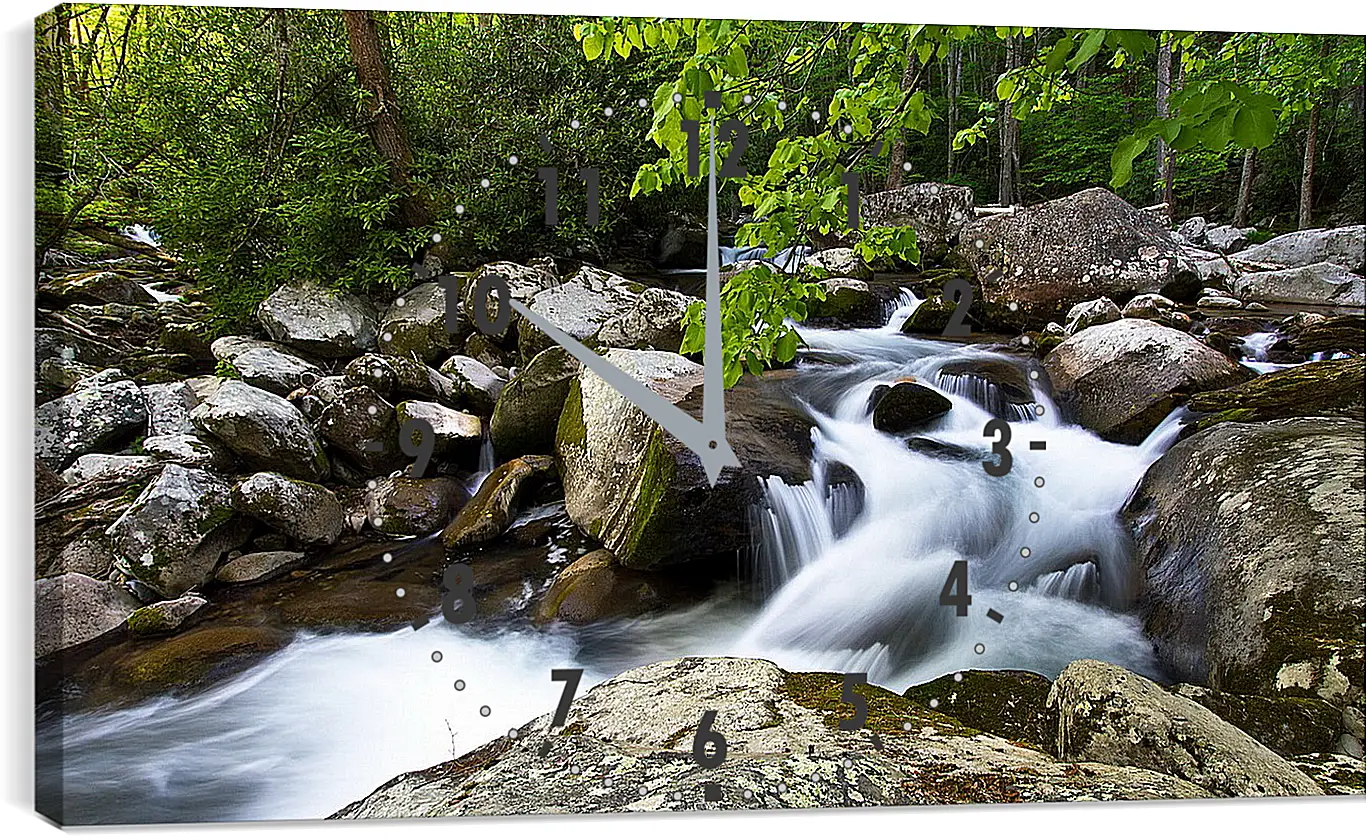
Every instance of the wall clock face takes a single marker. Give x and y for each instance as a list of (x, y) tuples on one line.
[(462, 414)]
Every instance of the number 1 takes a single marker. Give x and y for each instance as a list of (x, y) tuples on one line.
[(851, 181)]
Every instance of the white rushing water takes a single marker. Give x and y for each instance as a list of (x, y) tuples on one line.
[(852, 580)]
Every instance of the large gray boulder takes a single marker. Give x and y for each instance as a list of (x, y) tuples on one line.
[(528, 408), (306, 512), (627, 746), (258, 567), (524, 283), (395, 376), (1226, 239), (364, 428), (654, 320), (188, 450), (1249, 542), (1122, 379), (87, 420), (1093, 313), (579, 307), (455, 434), (415, 325), (1342, 246), (177, 530), (1047, 258), (263, 430), (1106, 714), (937, 211), (72, 610), (640, 492), (266, 365), (1320, 283), (120, 467), (312, 318), (838, 262)]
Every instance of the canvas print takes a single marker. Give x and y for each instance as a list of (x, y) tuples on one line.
[(466, 414)]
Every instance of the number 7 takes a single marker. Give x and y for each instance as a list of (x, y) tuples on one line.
[(571, 678)]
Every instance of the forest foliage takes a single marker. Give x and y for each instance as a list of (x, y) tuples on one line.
[(244, 137)]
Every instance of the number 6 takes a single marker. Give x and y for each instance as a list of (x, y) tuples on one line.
[(705, 735)]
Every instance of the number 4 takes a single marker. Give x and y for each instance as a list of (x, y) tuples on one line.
[(955, 591)]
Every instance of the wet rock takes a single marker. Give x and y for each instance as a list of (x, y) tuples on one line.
[(168, 408), (177, 530), (1007, 703), (306, 512), (265, 365), (1209, 300), (456, 434), (654, 320), (479, 386), (416, 325), (1343, 246), (69, 346), (1091, 313), (86, 421), (524, 283), (528, 408), (188, 450), (1049, 257), (636, 489), (364, 428), (262, 429), (413, 506), (166, 616), (193, 658), (125, 467), (937, 211), (930, 317), (1286, 725), (57, 376), (46, 483), (492, 508), (594, 588), (484, 350), (73, 611), (579, 308), (908, 405), (838, 262), (1320, 388), (848, 301), (1122, 379), (258, 567), (1249, 548), (94, 288), (636, 731), (1106, 714), (314, 319), (1321, 283), (1307, 337)]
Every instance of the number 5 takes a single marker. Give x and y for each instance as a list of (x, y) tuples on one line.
[(849, 696)]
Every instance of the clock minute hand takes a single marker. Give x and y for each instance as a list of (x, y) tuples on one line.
[(711, 448), (714, 387)]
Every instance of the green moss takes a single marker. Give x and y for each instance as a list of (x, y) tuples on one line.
[(650, 513), (148, 620), (573, 729), (1009, 704), (1299, 630), (218, 516), (225, 369), (1322, 388), (888, 711)]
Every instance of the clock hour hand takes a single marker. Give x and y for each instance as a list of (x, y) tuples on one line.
[(709, 443)]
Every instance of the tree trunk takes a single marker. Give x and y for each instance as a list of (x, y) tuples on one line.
[(1245, 201), (952, 94), (1308, 169), (898, 154), (1010, 139), (1170, 159), (1161, 96), (384, 122)]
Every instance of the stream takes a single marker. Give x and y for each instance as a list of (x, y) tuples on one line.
[(850, 582)]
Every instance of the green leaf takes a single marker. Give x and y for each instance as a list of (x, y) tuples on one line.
[(786, 347), (593, 46), (1254, 126)]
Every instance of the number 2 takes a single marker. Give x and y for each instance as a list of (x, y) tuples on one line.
[(962, 292)]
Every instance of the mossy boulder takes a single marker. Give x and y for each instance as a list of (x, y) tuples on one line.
[(166, 616), (73, 611), (263, 430), (414, 326), (363, 427), (492, 508), (1007, 703), (413, 506), (523, 283), (1320, 388), (529, 406), (1288, 725), (306, 512), (172, 537), (193, 658), (930, 317), (595, 587), (1107, 714), (316, 320), (1249, 542)]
